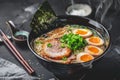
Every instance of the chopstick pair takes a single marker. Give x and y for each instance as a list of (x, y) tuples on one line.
[(16, 53)]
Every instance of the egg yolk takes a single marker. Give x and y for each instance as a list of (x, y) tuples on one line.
[(81, 32), (94, 40), (93, 49), (86, 57)]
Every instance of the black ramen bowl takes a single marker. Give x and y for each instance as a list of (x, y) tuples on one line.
[(73, 70)]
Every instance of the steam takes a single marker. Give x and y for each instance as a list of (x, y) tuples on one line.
[(72, 2), (115, 50), (102, 11), (88, 64), (106, 11)]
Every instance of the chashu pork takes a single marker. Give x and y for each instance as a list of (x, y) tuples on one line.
[(55, 51)]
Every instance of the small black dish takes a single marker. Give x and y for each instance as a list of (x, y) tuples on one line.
[(19, 36), (79, 10)]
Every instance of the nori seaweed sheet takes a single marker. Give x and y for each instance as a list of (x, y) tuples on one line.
[(43, 17)]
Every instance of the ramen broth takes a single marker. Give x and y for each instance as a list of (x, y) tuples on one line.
[(70, 44)]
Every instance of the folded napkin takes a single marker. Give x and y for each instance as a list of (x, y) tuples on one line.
[(10, 71)]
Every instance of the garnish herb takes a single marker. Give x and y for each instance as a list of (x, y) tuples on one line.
[(49, 45), (62, 45), (73, 41), (64, 58), (38, 42)]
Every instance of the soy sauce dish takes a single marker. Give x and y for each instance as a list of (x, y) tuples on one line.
[(70, 44)]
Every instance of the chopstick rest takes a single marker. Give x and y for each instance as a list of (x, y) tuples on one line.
[(16, 53)]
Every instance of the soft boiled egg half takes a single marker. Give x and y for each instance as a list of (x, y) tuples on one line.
[(93, 50), (94, 40), (83, 32), (84, 57)]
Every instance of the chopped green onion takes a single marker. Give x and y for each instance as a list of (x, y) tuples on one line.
[(64, 58), (73, 41), (62, 45), (38, 42), (49, 45)]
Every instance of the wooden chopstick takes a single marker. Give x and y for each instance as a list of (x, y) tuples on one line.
[(16, 53)]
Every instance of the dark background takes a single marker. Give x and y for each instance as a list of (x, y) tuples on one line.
[(107, 68)]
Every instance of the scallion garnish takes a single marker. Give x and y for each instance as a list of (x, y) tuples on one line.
[(38, 42), (73, 41), (64, 58), (62, 45), (49, 45)]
